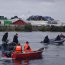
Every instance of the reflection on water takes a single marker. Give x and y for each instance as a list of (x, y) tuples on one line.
[(6, 62), (21, 62), (26, 62), (15, 62)]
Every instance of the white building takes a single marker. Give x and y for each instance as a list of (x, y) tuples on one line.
[(38, 23)]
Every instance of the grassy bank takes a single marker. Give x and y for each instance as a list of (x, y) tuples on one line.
[(29, 27)]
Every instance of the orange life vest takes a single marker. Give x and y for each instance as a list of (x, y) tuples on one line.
[(18, 49), (27, 48)]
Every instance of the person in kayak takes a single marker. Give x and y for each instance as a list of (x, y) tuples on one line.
[(62, 36), (58, 38), (15, 39), (5, 40), (46, 39), (18, 48), (27, 47)]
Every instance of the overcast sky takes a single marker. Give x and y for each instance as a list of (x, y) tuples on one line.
[(24, 8)]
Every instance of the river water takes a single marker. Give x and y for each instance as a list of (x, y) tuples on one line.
[(52, 54)]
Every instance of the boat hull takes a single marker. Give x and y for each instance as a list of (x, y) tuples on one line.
[(28, 55)]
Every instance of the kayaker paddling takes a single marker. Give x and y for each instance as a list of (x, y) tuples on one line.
[(46, 39), (58, 38)]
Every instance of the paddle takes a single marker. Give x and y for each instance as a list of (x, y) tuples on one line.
[(5, 58), (41, 49)]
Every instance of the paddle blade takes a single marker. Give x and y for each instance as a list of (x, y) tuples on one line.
[(41, 49)]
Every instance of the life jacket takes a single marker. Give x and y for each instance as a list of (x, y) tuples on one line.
[(27, 48), (18, 49)]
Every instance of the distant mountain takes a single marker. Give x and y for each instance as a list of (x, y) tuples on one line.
[(3, 18), (14, 17), (38, 18)]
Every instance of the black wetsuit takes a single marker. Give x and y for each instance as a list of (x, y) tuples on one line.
[(15, 39), (4, 41), (46, 40)]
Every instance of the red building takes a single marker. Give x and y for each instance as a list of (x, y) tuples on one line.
[(19, 22)]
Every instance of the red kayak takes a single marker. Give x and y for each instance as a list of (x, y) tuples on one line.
[(27, 55)]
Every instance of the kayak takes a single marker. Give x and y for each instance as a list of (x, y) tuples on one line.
[(62, 36), (53, 41), (59, 41), (27, 55)]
